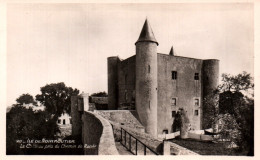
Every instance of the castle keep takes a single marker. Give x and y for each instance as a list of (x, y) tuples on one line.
[(159, 84)]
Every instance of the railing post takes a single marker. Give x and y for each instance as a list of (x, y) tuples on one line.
[(136, 146), (121, 140), (128, 147), (129, 142), (125, 137)]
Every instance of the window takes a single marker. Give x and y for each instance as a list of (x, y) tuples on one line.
[(173, 101), (173, 113), (196, 76), (70, 121), (196, 112), (197, 102), (59, 121), (149, 68), (165, 131), (64, 121), (174, 74)]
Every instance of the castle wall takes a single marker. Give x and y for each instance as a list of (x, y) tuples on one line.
[(91, 132), (146, 85), (112, 66), (185, 89), (126, 81), (94, 132), (97, 131)]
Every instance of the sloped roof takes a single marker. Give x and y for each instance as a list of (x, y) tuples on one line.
[(146, 34)]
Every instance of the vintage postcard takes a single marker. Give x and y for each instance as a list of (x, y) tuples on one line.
[(161, 79)]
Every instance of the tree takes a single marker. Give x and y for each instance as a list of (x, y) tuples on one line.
[(23, 124), (181, 123), (210, 109), (184, 124), (176, 126), (26, 99), (236, 99), (99, 94), (241, 82), (235, 108), (56, 98)]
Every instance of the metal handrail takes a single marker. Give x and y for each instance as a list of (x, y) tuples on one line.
[(136, 142)]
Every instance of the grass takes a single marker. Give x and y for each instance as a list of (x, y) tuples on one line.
[(207, 148)]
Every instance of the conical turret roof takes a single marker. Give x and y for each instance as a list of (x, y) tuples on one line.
[(171, 52), (146, 34)]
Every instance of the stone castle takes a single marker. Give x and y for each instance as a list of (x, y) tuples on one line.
[(158, 85)]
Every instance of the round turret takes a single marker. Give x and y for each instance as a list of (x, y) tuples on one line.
[(146, 79)]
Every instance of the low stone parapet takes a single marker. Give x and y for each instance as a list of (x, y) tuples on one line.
[(97, 135), (107, 144)]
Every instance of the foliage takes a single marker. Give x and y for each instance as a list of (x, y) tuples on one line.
[(176, 122), (235, 102), (181, 120), (99, 94), (240, 82), (229, 102), (228, 127), (181, 123), (23, 124), (210, 109), (26, 99), (56, 98), (234, 110), (185, 124)]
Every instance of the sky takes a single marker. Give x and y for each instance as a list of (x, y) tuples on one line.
[(70, 43)]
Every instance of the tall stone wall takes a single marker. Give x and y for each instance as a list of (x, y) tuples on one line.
[(185, 89), (126, 81), (75, 117), (91, 133), (146, 85), (112, 65)]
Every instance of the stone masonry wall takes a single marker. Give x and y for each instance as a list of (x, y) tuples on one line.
[(93, 130), (126, 81), (98, 132), (91, 133), (185, 89)]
